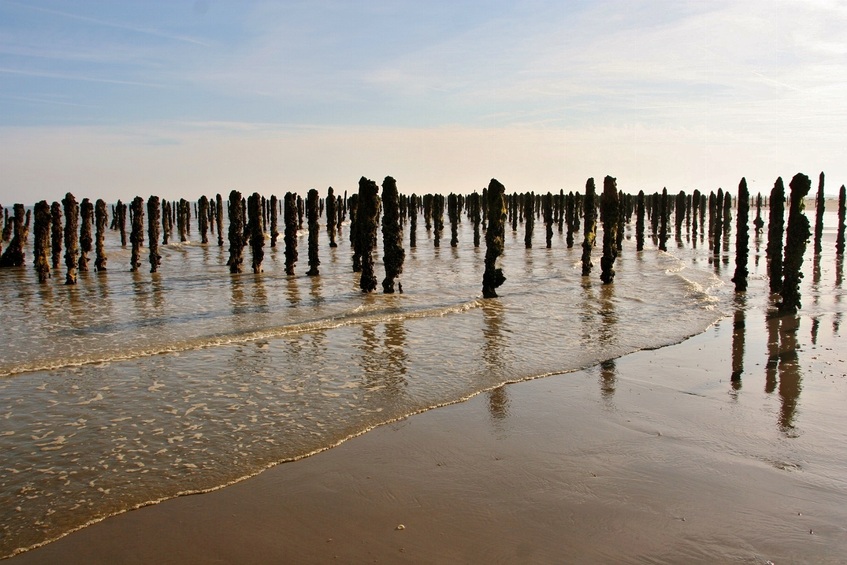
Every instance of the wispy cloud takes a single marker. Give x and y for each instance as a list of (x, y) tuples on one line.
[(77, 77)]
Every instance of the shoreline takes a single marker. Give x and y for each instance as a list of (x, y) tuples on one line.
[(631, 460)]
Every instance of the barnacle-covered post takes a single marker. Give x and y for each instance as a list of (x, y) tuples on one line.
[(167, 224), (236, 232), (475, 212), (101, 218), (437, 218), (570, 215), (413, 219), (153, 211), (776, 233), (274, 205), (136, 236), (219, 218), (590, 227), (56, 233), (529, 219), (331, 216), (86, 213), (609, 211), (368, 221), (493, 276), (257, 234), (664, 216), (289, 215), (354, 232), (453, 216), (392, 235), (120, 215), (797, 235), (41, 245), (742, 238), (312, 212), (719, 228), (71, 234)]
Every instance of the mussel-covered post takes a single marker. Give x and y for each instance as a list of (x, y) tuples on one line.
[(166, 221), (56, 233), (475, 212), (590, 227), (236, 232), (71, 244), (639, 221), (257, 234), (289, 215), (776, 232), (437, 218), (101, 218), (797, 235), (136, 236), (742, 237), (120, 213), (41, 246), (153, 211), (529, 219), (331, 216), (86, 213), (392, 235), (312, 212), (453, 216), (368, 220), (274, 205), (609, 210), (664, 215), (547, 207), (354, 232), (718, 233), (219, 218), (413, 219), (493, 276)]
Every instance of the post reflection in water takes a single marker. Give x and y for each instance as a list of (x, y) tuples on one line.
[(608, 337), (493, 346), (260, 295), (790, 375), (738, 336), (772, 323), (292, 293)]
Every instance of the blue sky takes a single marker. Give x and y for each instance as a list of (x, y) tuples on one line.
[(116, 99)]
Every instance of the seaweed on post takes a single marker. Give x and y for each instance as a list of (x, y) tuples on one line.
[(312, 212), (153, 211), (742, 238), (796, 237), (609, 212), (493, 276), (392, 235), (590, 226)]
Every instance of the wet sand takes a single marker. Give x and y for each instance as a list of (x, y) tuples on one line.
[(654, 457)]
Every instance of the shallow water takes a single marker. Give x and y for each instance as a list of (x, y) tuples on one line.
[(130, 388)]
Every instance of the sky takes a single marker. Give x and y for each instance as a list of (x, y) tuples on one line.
[(177, 99)]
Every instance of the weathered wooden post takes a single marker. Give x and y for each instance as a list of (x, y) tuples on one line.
[(289, 216), (56, 233), (639, 221), (742, 238), (453, 217), (136, 236), (354, 232), (609, 211), (14, 255), (166, 221), (203, 218), (153, 219), (529, 219), (590, 227), (392, 235), (718, 234), (71, 209), (219, 204), (839, 240), (437, 218), (776, 233), (100, 220), (257, 234), (493, 276), (236, 232), (331, 216), (664, 216), (368, 221), (312, 211), (86, 211), (820, 205), (797, 235), (41, 245), (413, 220)]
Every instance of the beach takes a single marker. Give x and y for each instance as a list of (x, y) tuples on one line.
[(653, 457)]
